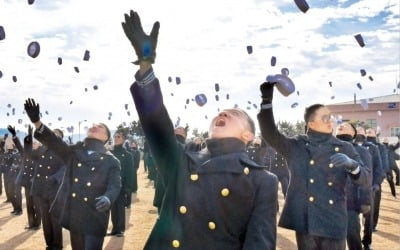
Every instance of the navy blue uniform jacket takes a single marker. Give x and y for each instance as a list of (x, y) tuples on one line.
[(214, 199), (87, 176), (316, 201)]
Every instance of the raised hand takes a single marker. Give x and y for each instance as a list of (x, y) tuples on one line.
[(12, 130), (144, 45), (32, 109)]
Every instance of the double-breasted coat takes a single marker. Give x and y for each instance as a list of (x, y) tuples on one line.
[(214, 199), (90, 172)]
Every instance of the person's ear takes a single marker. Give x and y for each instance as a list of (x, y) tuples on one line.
[(247, 136)]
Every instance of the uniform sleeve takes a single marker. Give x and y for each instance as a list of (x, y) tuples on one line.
[(113, 180), (18, 145), (377, 169), (50, 140), (363, 177), (271, 134), (156, 123), (128, 182), (365, 192), (261, 229)]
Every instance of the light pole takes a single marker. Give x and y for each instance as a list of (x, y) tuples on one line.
[(79, 129)]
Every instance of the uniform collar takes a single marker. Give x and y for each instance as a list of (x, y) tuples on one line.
[(222, 146)]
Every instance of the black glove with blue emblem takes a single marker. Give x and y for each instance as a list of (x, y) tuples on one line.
[(103, 204), (342, 160), (144, 45)]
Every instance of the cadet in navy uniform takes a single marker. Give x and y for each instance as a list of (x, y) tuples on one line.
[(216, 198), (12, 164), (118, 207), (25, 176), (372, 137), (393, 156), (92, 181), (48, 174), (315, 205), (378, 175), (277, 165), (358, 199)]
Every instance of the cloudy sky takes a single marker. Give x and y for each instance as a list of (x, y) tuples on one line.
[(203, 43)]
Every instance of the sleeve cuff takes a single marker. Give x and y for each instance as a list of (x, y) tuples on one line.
[(356, 171), (266, 106), (40, 130), (146, 78)]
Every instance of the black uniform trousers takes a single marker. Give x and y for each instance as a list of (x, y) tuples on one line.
[(128, 199), (368, 223), (353, 230), (86, 242), (377, 204), (15, 194), (118, 214), (7, 187), (52, 230), (310, 242), (32, 208)]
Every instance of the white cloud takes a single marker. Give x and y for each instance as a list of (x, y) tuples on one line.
[(201, 42)]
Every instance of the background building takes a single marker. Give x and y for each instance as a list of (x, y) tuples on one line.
[(381, 112)]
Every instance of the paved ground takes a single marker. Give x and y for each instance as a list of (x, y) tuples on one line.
[(142, 215)]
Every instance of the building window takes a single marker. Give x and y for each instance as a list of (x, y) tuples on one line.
[(371, 123), (395, 131)]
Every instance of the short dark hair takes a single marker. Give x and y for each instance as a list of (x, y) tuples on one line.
[(310, 111), (107, 131)]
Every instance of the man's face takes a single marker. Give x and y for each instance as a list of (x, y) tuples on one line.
[(98, 131), (370, 132), (322, 121), (230, 123), (118, 139), (345, 129)]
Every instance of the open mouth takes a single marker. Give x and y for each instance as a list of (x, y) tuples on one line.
[(220, 123)]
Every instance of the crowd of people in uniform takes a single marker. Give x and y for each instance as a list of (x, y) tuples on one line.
[(220, 193)]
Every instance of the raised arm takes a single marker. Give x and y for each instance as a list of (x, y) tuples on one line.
[(44, 134), (148, 99), (266, 120)]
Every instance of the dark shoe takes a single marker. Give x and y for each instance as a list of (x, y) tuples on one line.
[(13, 212), (32, 227), (18, 212), (119, 234), (128, 207), (367, 247), (374, 229), (111, 234)]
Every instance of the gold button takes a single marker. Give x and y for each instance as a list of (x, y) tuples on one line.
[(225, 192), (312, 162), (311, 180), (101, 158), (331, 202), (40, 165), (93, 169), (76, 180), (182, 209), (311, 199), (123, 155), (46, 177), (38, 175), (175, 243), (79, 164), (88, 184), (330, 165), (336, 149), (24, 173), (85, 199), (48, 167), (246, 170), (330, 183), (42, 156), (51, 157), (73, 195), (211, 225), (194, 177)]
